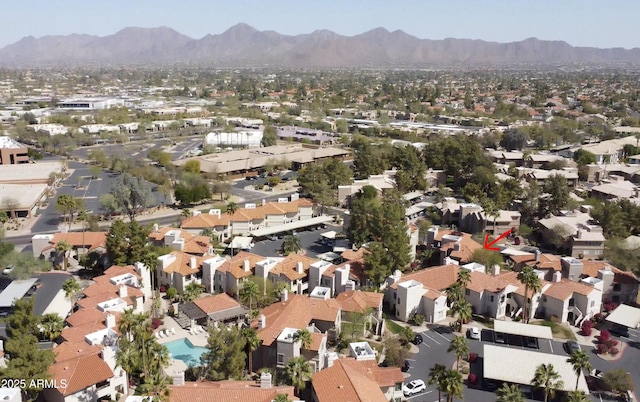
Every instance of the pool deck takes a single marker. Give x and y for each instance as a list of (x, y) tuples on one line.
[(197, 340)]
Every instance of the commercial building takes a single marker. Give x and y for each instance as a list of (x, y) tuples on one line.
[(12, 152), (244, 138)]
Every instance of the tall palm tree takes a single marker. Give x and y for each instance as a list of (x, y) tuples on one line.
[(548, 379), (304, 337), (157, 385), (436, 374), (248, 292), (298, 370), (460, 348), (71, 289), (454, 293), (232, 207), (290, 245), (464, 277), (83, 217), (579, 360), (127, 323), (51, 325), (577, 396), (452, 384), (63, 247), (509, 393), (463, 311), (253, 342), (532, 282), (127, 356)]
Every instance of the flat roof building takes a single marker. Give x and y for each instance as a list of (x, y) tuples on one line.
[(12, 152)]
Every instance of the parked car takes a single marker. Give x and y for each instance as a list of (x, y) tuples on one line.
[(531, 342), (417, 340), (597, 374), (572, 346), (619, 330), (414, 387), (474, 333), (500, 338)]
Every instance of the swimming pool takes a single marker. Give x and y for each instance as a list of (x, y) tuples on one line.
[(183, 349)]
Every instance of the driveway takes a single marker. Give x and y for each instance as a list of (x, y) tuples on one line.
[(51, 285)]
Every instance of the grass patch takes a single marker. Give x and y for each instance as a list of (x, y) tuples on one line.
[(393, 327), (558, 330), (487, 322)]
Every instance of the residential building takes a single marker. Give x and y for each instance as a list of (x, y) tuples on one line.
[(181, 240), (221, 275), (609, 151), (263, 391), (178, 269), (12, 152), (355, 302), (211, 311), (452, 245), (293, 270), (252, 218), (615, 187), (82, 243), (584, 239), (353, 380), (540, 176)]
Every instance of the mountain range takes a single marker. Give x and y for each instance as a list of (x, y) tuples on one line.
[(244, 46)]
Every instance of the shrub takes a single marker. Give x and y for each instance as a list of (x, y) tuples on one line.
[(473, 357), (604, 336), (172, 293), (418, 319), (554, 318), (472, 378), (613, 351), (586, 328), (464, 370), (155, 322), (601, 348)]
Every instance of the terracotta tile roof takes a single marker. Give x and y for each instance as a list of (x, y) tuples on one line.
[(74, 350), (236, 391), (103, 287), (566, 288), (92, 239), (591, 268), (349, 380), (316, 341), (77, 334), (215, 303), (235, 266), (356, 270), (193, 244), (182, 264), (289, 266), (433, 294), (437, 278), (545, 261), (245, 215), (383, 376), (354, 255), (91, 302), (117, 270), (88, 315), (80, 373), (467, 246), (297, 312), (358, 301), (483, 282)]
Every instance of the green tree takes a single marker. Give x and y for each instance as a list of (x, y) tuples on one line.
[(253, 342), (532, 283), (192, 291), (298, 371), (377, 265), (558, 199), (455, 293), (513, 140), (304, 337), (290, 245), (108, 203), (406, 335), (460, 348), (132, 194), (395, 353), (436, 376), (232, 207), (249, 291), (63, 247), (72, 290), (66, 205), (26, 359), (584, 157), (577, 396), (509, 393), (192, 166), (128, 243), (269, 136), (51, 326), (25, 265), (157, 385), (225, 357), (462, 309), (579, 360), (452, 385), (464, 277), (488, 258), (547, 379), (618, 381)]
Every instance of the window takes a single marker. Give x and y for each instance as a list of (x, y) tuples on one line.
[(491, 299), (399, 302), (398, 386), (280, 358), (395, 295), (467, 292), (593, 303), (572, 302), (616, 287)]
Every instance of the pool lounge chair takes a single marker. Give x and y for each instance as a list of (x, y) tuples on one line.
[(160, 334), (157, 334), (201, 330), (167, 333), (173, 331)]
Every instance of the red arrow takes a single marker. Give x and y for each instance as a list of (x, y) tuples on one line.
[(488, 244)]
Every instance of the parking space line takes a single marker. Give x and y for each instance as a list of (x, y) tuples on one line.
[(420, 394), (411, 360), (551, 345), (447, 339), (426, 344), (432, 338)]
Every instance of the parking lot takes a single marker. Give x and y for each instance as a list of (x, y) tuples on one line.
[(309, 240), (436, 340)]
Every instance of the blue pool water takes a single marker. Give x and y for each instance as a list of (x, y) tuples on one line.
[(183, 349)]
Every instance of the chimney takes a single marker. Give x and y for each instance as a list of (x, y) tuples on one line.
[(246, 266), (579, 234), (110, 321), (178, 378), (155, 227), (265, 380), (496, 270), (537, 255), (300, 267), (284, 295), (350, 285), (192, 263), (557, 276), (456, 246), (262, 321), (122, 291)]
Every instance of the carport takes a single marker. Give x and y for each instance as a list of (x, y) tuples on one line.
[(15, 291), (241, 242), (625, 315), (517, 328), (518, 366), (318, 220)]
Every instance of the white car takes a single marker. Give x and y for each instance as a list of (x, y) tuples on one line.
[(414, 387), (8, 270), (474, 333)]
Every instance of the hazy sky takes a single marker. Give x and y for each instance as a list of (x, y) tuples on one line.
[(601, 23)]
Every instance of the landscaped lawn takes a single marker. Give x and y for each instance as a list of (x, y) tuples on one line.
[(393, 327), (558, 330)]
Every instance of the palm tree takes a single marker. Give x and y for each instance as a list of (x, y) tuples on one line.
[(127, 356), (71, 289), (127, 323), (490, 209), (454, 293), (463, 311), (232, 207), (579, 361), (192, 291), (83, 217), (304, 337), (509, 393), (464, 277), (460, 348), (249, 291), (452, 384), (407, 334), (253, 342), (281, 398), (532, 282), (298, 370), (157, 385), (547, 378), (51, 325), (436, 374), (63, 247), (577, 396), (290, 245)]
